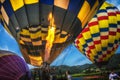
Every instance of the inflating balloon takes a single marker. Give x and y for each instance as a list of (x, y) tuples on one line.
[(13, 67), (100, 38), (43, 28)]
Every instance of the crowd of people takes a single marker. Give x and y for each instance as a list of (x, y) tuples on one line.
[(50, 74)]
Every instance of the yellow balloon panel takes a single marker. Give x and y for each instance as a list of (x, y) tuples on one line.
[(31, 1), (17, 4), (36, 61), (84, 11)]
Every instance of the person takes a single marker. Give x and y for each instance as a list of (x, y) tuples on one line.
[(69, 77), (53, 75), (113, 76)]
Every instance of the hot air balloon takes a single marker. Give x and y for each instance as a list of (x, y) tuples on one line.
[(43, 28), (13, 67), (100, 38)]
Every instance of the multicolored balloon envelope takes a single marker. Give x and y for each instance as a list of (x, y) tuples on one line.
[(29, 22), (13, 67), (100, 38)]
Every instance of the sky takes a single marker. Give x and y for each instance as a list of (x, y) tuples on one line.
[(70, 55), (114, 2), (7, 42)]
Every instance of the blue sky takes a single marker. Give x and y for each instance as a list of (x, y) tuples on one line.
[(115, 2), (70, 56), (7, 42)]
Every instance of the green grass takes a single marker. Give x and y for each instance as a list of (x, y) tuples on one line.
[(85, 74)]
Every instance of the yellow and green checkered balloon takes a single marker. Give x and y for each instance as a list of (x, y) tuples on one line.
[(100, 38)]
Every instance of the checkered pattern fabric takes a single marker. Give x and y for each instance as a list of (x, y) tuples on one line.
[(100, 38)]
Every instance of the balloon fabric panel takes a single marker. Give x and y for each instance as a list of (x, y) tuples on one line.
[(31, 1), (48, 2), (17, 4), (61, 3)]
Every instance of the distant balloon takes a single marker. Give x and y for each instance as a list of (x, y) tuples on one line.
[(28, 21), (100, 38), (13, 67)]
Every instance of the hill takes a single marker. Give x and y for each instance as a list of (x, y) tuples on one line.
[(114, 63)]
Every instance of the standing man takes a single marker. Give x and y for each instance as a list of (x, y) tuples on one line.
[(113, 76)]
